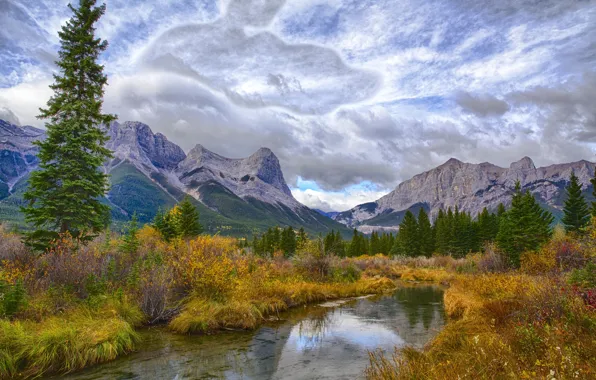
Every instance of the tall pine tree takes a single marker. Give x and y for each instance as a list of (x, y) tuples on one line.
[(188, 225), (407, 242), (425, 234), (575, 213), (524, 227), (64, 194)]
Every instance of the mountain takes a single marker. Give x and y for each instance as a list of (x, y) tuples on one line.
[(149, 172), (470, 187), (17, 154), (329, 214)]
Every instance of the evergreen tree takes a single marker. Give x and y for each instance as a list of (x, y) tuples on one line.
[(425, 234), (575, 213), (525, 226), (288, 241), (488, 226), (188, 226), (407, 242), (301, 239), (130, 240), (162, 222), (64, 194)]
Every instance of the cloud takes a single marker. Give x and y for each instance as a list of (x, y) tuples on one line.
[(7, 115), (337, 201), (260, 69), (343, 91), (481, 105)]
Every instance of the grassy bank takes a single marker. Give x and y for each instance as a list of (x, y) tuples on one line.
[(78, 305), (535, 322)]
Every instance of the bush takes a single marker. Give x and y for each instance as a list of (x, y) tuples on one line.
[(313, 262), (345, 271), (584, 277), (12, 298), (492, 261)]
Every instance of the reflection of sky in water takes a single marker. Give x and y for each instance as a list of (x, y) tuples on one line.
[(312, 343), (343, 328)]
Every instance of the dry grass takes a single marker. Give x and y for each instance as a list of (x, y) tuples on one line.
[(202, 314), (502, 326)]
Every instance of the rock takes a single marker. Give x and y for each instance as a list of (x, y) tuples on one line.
[(471, 187)]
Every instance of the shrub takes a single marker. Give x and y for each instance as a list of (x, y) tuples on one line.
[(492, 261), (584, 277), (12, 298), (313, 262), (346, 271)]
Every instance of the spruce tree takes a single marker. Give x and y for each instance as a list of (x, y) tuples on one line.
[(64, 195), (524, 227), (407, 239), (575, 213), (425, 234), (188, 225), (130, 240)]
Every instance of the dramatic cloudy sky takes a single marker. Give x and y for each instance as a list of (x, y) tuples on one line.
[(353, 96)]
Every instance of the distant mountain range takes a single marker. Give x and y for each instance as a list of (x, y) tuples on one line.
[(249, 195), (470, 187), (148, 172)]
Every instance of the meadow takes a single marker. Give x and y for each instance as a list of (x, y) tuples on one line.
[(78, 305)]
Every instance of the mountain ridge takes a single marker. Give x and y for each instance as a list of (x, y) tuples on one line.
[(148, 172), (470, 187)]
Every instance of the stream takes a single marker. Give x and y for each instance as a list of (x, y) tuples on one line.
[(325, 341)]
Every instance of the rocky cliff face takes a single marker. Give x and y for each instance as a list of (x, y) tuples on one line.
[(471, 187), (136, 142), (17, 152), (258, 176)]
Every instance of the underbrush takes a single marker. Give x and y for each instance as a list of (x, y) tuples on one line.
[(510, 325), (77, 305)]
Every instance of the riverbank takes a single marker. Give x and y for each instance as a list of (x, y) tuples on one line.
[(535, 322), (77, 306)]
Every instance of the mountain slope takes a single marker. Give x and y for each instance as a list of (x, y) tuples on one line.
[(148, 172), (471, 187)]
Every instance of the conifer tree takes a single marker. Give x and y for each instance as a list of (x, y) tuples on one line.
[(525, 226), (130, 240), (425, 234), (188, 226), (575, 213), (407, 242), (301, 239), (64, 194)]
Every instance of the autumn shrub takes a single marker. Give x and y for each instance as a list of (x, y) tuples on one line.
[(584, 277), (492, 261), (73, 266), (345, 271), (205, 265), (313, 262)]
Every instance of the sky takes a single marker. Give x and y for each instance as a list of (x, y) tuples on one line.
[(353, 96)]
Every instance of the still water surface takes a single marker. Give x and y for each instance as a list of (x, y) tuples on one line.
[(326, 341)]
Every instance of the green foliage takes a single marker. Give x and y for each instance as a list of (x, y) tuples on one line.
[(182, 221), (359, 244), (584, 277), (524, 227), (425, 234), (334, 244), (488, 225), (187, 223), (288, 241), (576, 214), (64, 194), (12, 298), (407, 242), (130, 240)]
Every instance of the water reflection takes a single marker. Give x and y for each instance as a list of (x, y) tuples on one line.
[(323, 342)]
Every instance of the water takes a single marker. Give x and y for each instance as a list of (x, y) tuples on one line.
[(326, 341)]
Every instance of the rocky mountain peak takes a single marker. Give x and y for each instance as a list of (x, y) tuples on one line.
[(136, 142), (525, 163)]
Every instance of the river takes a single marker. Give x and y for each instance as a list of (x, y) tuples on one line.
[(326, 341)]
